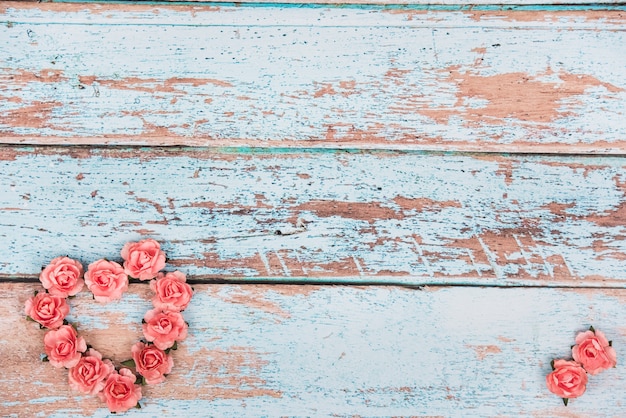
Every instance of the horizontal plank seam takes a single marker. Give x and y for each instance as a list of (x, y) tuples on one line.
[(345, 283)]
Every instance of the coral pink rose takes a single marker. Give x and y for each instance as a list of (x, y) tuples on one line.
[(63, 346), (164, 328), (107, 280), (120, 391), (172, 293), (143, 259), (593, 351), (62, 277), (48, 310), (153, 364), (91, 373), (567, 380)]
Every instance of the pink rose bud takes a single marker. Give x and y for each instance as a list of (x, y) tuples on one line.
[(91, 372), (593, 351), (63, 346), (171, 292), (48, 310), (567, 380), (152, 363), (164, 328), (62, 277), (120, 391), (107, 280), (143, 259)]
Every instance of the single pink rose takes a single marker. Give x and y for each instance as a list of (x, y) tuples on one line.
[(143, 259), (48, 310), (567, 380), (153, 364), (63, 346), (62, 277), (593, 351), (171, 292), (91, 373), (107, 280), (164, 328), (120, 391)]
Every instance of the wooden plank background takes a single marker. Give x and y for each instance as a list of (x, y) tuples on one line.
[(386, 210)]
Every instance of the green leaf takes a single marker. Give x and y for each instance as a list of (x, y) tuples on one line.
[(175, 346), (592, 329), (552, 364), (565, 401), (36, 292), (45, 359), (28, 318), (129, 363), (143, 381), (138, 406), (611, 343), (72, 297)]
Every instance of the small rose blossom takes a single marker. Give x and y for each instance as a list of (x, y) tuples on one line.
[(164, 328), (48, 310), (152, 363), (567, 380), (91, 373), (171, 292), (63, 346), (120, 391), (107, 280), (62, 277), (593, 351), (143, 259)]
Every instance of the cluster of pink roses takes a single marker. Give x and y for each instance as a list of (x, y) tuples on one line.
[(592, 354), (163, 326)]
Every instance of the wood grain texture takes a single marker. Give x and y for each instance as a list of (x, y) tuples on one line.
[(376, 216), (319, 351), (518, 81)]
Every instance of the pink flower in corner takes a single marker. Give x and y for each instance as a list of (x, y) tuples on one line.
[(143, 259), (152, 363), (63, 346), (171, 292), (48, 310), (62, 277), (120, 391), (567, 380), (91, 372), (107, 280), (594, 351), (164, 328)]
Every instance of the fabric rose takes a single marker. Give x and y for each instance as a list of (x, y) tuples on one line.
[(107, 280), (164, 328), (62, 277), (594, 351), (91, 373), (63, 346), (171, 292), (567, 380), (120, 391), (48, 310), (143, 259), (153, 364)]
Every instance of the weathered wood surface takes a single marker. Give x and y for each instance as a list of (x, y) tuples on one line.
[(376, 216), (319, 351), (546, 80)]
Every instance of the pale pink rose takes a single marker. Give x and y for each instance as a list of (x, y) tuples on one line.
[(120, 391), (62, 277), (567, 380), (91, 373), (143, 259), (152, 363), (48, 310), (63, 346), (164, 328), (593, 351), (172, 293), (107, 280)]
